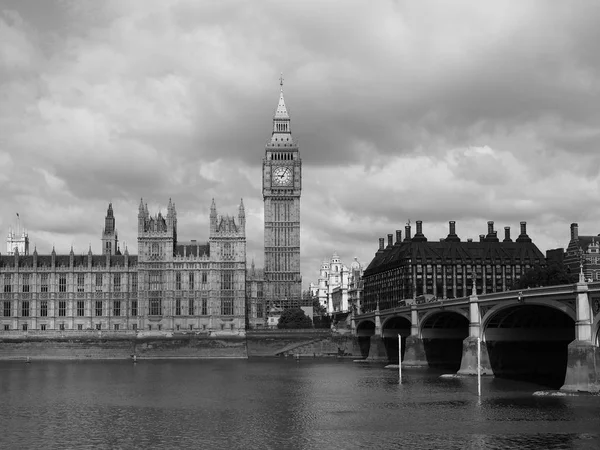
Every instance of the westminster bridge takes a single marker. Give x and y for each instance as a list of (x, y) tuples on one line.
[(548, 335)]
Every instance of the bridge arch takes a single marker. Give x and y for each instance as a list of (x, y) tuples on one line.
[(365, 328), (567, 309), (390, 329), (443, 332), (529, 341)]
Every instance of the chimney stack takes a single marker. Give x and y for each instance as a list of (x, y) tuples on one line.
[(407, 233), (381, 243), (452, 237), (507, 234), (419, 227), (574, 231), (398, 236), (490, 228), (481, 237), (390, 239), (523, 236)]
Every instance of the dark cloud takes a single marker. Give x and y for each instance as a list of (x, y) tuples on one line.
[(403, 110)]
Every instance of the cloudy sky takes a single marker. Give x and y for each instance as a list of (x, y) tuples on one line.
[(431, 110)]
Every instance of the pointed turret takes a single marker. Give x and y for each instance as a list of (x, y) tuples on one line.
[(141, 217), (213, 217), (281, 136), (109, 234), (242, 215)]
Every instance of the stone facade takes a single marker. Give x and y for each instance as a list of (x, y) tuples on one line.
[(169, 286), (282, 185), (255, 298)]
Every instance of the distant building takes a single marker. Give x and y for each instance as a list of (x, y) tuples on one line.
[(355, 286), (415, 268), (337, 283), (169, 286), (583, 252)]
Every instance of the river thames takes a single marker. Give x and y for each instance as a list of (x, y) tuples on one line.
[(279, 404)]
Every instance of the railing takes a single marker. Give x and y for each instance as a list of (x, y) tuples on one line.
[(427, 303), (287, 330)]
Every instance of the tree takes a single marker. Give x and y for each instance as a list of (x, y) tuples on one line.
[(551, 275), (294, 318), (309, 299)]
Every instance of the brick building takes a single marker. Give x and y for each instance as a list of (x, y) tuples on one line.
[(415, 267)]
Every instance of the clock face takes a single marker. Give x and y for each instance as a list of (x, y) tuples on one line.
[(282, 176)]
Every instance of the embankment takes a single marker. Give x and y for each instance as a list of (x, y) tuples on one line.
[(255, 344), (147, 347)]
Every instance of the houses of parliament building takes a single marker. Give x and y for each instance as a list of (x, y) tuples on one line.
[(170, 285)]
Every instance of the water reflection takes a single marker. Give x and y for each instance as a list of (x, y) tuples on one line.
[(278, 404)]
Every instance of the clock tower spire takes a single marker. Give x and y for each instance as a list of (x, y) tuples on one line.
[(282, 185)]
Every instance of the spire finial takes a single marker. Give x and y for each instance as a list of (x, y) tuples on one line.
[(281, 81)]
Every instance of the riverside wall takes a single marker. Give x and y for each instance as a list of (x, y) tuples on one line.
[(106, 345)]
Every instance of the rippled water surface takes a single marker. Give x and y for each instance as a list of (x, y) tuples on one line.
[(279, 404)]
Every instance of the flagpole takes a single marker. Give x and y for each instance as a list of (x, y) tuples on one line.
[(479, 367), (399, 359)]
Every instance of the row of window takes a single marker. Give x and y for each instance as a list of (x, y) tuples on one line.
[(99, 308), (156, 281), (62, 282), (116, 327), (62, 308)]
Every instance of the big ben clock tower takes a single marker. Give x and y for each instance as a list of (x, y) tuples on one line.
[(282, 183)]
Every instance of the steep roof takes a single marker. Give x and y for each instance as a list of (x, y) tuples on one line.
[(452, 252)]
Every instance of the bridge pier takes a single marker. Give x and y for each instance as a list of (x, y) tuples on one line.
[(377, 350), (468, 363), (414, 353), (414, 350), (583, 364)]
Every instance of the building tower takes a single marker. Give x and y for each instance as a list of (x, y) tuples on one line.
[(17, 240), (110, 239), (157, 240), (282, 184), (227, 242)]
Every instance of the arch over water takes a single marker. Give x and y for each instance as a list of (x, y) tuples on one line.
[(443, 333), (391, 328), (529, 342)]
